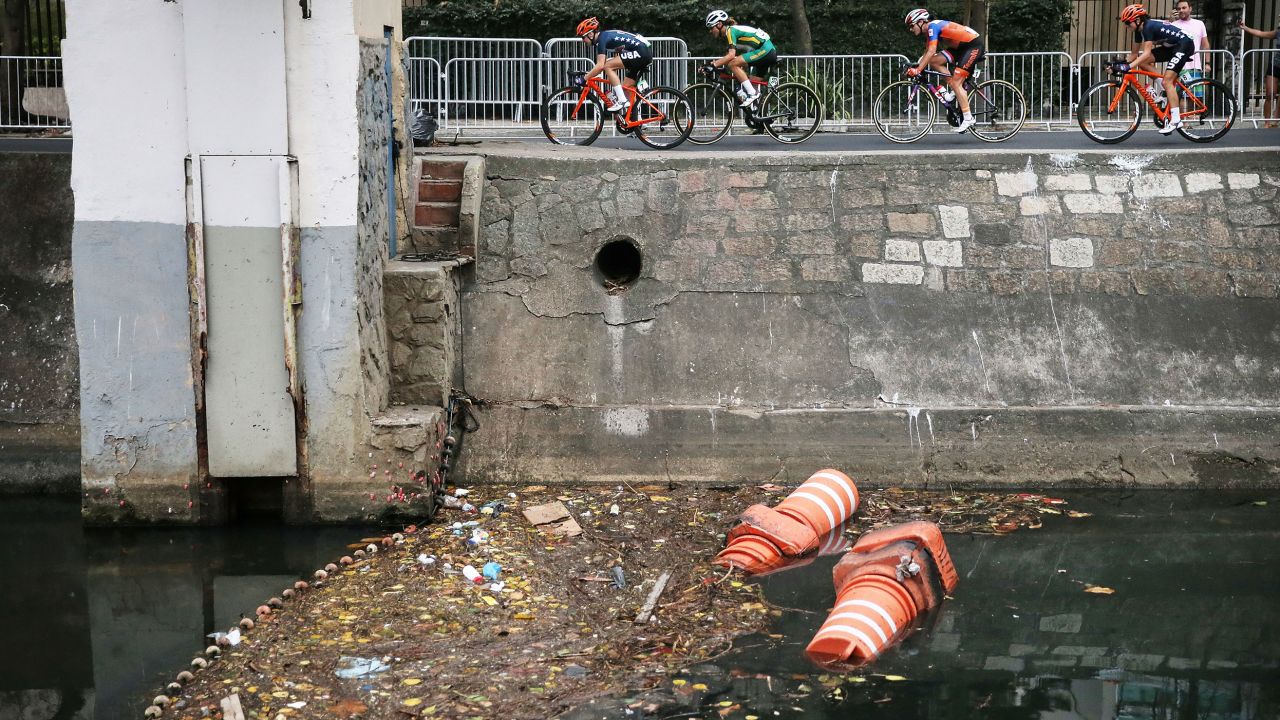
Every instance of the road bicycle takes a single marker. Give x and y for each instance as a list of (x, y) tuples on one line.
[(905, 111), (1110, 110), (660, 117), (789, 111)]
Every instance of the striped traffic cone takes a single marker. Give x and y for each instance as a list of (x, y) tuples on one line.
[(889, 578), (795, 527)]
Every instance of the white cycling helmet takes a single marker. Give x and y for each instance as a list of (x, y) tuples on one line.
[(918, 15), (717, 16)]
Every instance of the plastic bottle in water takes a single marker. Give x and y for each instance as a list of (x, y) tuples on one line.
[(491, 570), (472, 574)]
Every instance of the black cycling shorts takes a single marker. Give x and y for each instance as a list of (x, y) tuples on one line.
[(764, 65), (635, 61), (1174, 57), (965, 56)]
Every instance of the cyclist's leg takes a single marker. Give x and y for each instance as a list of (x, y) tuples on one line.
[(611, 68), (942, 62), (737, 68), (1172, 68), (636, 68), (967, 56)]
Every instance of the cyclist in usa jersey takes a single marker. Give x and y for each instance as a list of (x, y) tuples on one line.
[(615, 49), (750, 49), (1159, 41), (961, 49)]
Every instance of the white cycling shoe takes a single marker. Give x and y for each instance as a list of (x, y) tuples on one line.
[(750, 102), (1169, 127), (965, 124)]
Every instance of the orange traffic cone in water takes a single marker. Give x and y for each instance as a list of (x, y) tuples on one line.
[(833, 543), (890, 577), (795, 527)]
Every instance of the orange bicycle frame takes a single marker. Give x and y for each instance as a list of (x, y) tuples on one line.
[(1192, 105), (597, 86)]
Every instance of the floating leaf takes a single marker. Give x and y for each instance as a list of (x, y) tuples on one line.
[(1099, 590), (894, 678), (412, 702), (1260, 503), (412, 681), (1078, 514)]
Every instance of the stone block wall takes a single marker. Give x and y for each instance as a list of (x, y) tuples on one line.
[(374, 225), (1036, 298), (420, 303)]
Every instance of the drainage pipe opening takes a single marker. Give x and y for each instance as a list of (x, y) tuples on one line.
[(618, 263)]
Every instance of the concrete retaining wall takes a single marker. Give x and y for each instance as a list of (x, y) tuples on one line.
[(1091, 318)]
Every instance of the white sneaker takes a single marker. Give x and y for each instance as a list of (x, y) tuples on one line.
[(750, 102), (1169, 127), (617, 106), (965, 124)]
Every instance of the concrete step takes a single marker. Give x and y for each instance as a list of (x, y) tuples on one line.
[(406, 433), (436, 215), (440, 190), (442, 169)]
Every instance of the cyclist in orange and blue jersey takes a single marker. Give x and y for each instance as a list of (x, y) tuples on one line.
[(962, 48), (614, 50), (1159, 41), (750, 49)]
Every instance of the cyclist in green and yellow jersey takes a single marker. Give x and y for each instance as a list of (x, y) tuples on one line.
[(750, 49)]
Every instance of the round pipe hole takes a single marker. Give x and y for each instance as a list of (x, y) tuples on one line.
[(618, 263)]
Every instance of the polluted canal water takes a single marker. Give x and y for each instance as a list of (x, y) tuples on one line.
[(98, 620), (1155, 604), (1158, 605)]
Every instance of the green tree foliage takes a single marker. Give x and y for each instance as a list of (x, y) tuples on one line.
[(838, 26)]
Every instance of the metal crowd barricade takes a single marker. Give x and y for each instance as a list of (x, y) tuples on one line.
[(31, 94), (847, 84), (444, 49), (1045, 80), (1251, 87), (425, 80), (495, 97), (668, 68)]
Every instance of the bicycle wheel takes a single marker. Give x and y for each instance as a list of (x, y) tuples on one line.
[(1208, 110), (712, 112), (1100, 121), (904, 112), (667, 117), (565, 123), (999, 110), (791, 112)]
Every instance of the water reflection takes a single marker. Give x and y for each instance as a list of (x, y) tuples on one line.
[(99, 620)]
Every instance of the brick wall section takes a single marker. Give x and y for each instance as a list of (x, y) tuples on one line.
[(1196, 224)]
